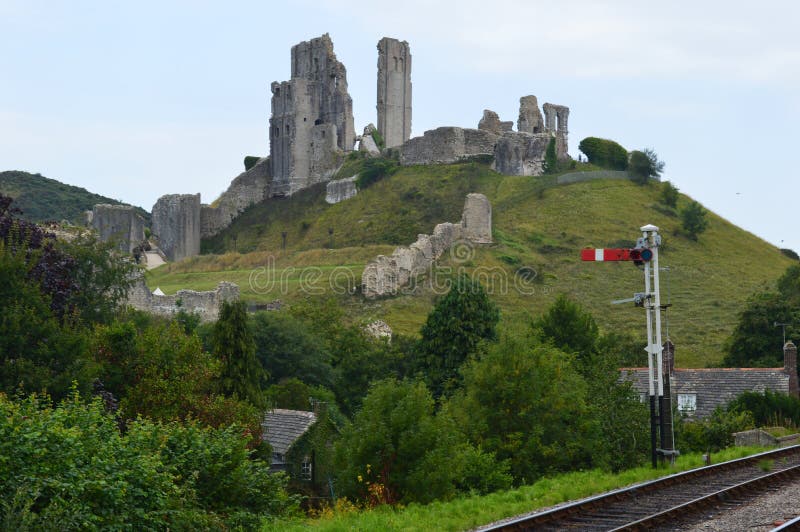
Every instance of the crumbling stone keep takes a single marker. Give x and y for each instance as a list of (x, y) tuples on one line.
[(176, 225), (120, 224), (491, 122), (388, 275), (312, 119), (530, 117), (247, 189), (394, 91), (521, 153), (555, 122)]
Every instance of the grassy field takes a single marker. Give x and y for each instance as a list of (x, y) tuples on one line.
[(470, 512), (539, 229)]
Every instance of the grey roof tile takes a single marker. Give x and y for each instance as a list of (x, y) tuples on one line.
[(283, 427)]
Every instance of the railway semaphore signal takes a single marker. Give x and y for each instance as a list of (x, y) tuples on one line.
[(645, 253)]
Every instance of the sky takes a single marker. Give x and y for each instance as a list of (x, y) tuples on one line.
[(135, 100)]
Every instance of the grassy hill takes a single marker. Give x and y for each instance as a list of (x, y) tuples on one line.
[(42, 199), (539, 228)]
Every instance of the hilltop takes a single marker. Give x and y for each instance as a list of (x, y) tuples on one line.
[(43, 199), (539, 228)]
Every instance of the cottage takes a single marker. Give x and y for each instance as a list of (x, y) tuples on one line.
[(697, 392)]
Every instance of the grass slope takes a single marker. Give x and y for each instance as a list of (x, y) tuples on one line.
[(42, 199), (539, 228)]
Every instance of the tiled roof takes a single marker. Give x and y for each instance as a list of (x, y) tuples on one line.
[(714, 386), (283, 427)]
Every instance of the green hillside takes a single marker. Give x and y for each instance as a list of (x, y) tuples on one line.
[(42, 199), (539, 229)]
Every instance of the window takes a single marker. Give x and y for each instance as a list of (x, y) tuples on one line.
[(277, 458), (305, 469), (687, 402)]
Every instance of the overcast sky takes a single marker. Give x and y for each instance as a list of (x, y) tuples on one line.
[(141, 99)]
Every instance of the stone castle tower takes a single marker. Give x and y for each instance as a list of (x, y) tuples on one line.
[(394, 91), (312, 118)]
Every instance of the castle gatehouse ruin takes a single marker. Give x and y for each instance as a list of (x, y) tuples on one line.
[(394, 91)]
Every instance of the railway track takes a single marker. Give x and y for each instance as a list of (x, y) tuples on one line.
[(653, 504)]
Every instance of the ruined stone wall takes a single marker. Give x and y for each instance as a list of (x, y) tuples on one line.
[(394, 91), (340, 189), (118, 223), (446, 145), (491, 122), (530, 117), (388, 275), (176, 225), (302, 152), (204, 304), (247, 189), (556, 118), (521, 153)]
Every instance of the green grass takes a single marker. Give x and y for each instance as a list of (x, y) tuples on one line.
[(470, 512), (539, 228)]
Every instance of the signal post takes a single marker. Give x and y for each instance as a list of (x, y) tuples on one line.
[(645, 253)]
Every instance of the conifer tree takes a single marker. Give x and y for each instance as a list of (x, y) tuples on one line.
[(233, 342)]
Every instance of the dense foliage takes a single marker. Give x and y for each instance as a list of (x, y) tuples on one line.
[(669, 194), (375, 169), (550, 158), (604, 153), (693, 220), (42, 199), (644, 165), (70, 468)]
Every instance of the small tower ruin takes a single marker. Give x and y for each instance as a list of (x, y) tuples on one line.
[(394, 91), (555, 122)]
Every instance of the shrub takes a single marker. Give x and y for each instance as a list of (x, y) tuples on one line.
[(250, 161), (693, 219), (550, 158), (669, 194), (790, 253), (374, 170), (768, 408), (604, 153), (644, 165), (711, 434)]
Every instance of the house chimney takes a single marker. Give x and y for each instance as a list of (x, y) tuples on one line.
[(668, 358), (790, 367)]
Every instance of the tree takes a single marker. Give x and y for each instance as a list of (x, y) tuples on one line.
[(286, 348), (644, 165), (569, 327), (525, 402), (550, 158), (693, 219), (669, 194), (232, 341), (458, 322), (604, 153), (398, 450)]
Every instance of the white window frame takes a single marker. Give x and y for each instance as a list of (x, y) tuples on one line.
[(687, 402), (306, 469)]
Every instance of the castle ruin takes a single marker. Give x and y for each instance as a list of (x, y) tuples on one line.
[(204, 304), (312, 119), (176, 225), (120, 224), (394, 91)]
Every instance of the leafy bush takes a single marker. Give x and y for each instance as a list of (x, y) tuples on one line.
[(768, 408), (711, 434), (374, 170), (790, 253), (669, 194), (250, 161), (693, 219), (644, 165), (379, 142), (550, 159), (68, 467), (604, 153)]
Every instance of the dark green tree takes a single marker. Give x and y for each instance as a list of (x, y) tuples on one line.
[(604, 153), (669, 194), (525, 402), (550, 158), (232, 341), (454, 328), (570, 328), (693, 219), (398, 449), (644, 165)]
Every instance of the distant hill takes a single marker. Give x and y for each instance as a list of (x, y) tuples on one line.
[(540, 226), (42, 199)]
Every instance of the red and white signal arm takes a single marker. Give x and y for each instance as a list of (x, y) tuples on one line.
[(616, 254)]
